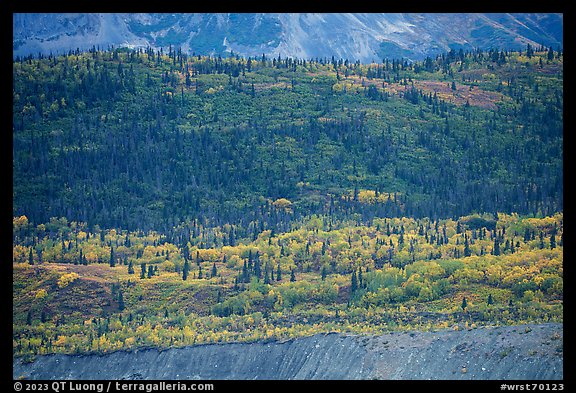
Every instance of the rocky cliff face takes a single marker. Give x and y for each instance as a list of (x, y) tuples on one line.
[(531, 352), (364, 37)]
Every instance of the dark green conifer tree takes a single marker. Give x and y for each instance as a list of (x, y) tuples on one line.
[(496, 248), (112, 257), (120, 300), (185, 269), (324, 272), (354, 282), (467, 251), (553, 239)]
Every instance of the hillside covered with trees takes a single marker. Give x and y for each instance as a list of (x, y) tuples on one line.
[(164, 199)]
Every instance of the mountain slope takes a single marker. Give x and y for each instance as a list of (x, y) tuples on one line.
[(147, 140), (364, 37)]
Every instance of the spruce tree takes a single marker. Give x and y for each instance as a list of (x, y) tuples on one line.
[(354, 282), (467, 251), (120, 300), (496, 249), (257, 268), (267, 274), (112, 257), (529, 51), (245, 273), (526, 235), (186, 269)]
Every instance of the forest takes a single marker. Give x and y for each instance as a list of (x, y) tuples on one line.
[(147, 140), (165, 199), (77, 291)]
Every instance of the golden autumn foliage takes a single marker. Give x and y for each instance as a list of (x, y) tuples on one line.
[(403, 271), (282, 203), (67, 279)]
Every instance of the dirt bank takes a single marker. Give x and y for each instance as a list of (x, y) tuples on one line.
[(526, 352)]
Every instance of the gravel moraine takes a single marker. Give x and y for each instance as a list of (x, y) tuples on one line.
[(526, 352)]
